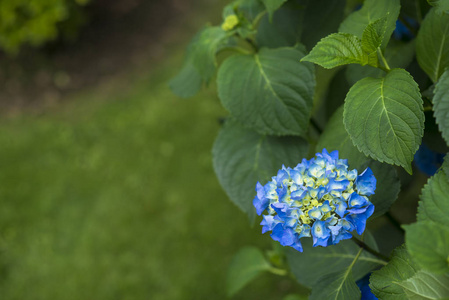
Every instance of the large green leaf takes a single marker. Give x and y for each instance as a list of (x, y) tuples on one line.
[(284, 30), (273, 5), (432, 44), (434, 204), (321, 18), (402, 279), (441, 104), (270, 91), (316, 262), (424, 285), (336, 286), (246, 265), (384, 117), (371, 11), (241, 158), (387, 283), (335, 137), (442, 6), (398, 55), (428, 244), (337, 49)]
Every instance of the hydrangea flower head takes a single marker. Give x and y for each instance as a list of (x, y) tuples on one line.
[(319, 198)]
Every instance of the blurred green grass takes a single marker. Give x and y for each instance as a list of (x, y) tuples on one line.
[(113, 196)]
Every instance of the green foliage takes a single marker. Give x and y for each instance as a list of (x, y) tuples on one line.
[(385, 118), (336, 286), (335, 137), (372, 10), (398, 55), (258, 90), (283, 30), (402, 279), (242, 157), (33, 22), (273, 5), (425, 285), (321, 18), (442, 6), (441, 104), (432, 44), (432, 224), (434, 258), (434, 205), (270, 89), (246, 265), (337, 49), (314, 263)]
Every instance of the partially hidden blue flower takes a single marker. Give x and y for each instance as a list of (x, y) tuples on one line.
[(365, 289), (319, 198), (427, 160)]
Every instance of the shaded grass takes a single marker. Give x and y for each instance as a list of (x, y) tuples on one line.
[(117, 199)]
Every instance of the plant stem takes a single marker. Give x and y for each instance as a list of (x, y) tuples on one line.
[(394, 221), (253, 45), (387, 67), (364, 246)]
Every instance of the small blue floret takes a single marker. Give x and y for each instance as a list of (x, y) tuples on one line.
[(319, 198)]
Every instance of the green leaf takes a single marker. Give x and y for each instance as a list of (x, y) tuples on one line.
[(428, 244), (372, 38), (336, 286), (246, 265), (241, 158), (270, 91), (432, 44), (335, 137), (210, 40), (372, 10), (273, 5), (434, 205), (321, 18), (373, 35), (337, 49), (445, 165), (441, 105), (384, 117), (424, 285), (188, 81), (397, 54), (386, 282), (284, 30), (317, 262), (442, 6)]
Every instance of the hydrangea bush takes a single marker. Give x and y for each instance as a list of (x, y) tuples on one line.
[(329, 102)]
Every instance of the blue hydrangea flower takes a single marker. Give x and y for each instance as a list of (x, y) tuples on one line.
[(319, 198), (365, 289), (427, 160)]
